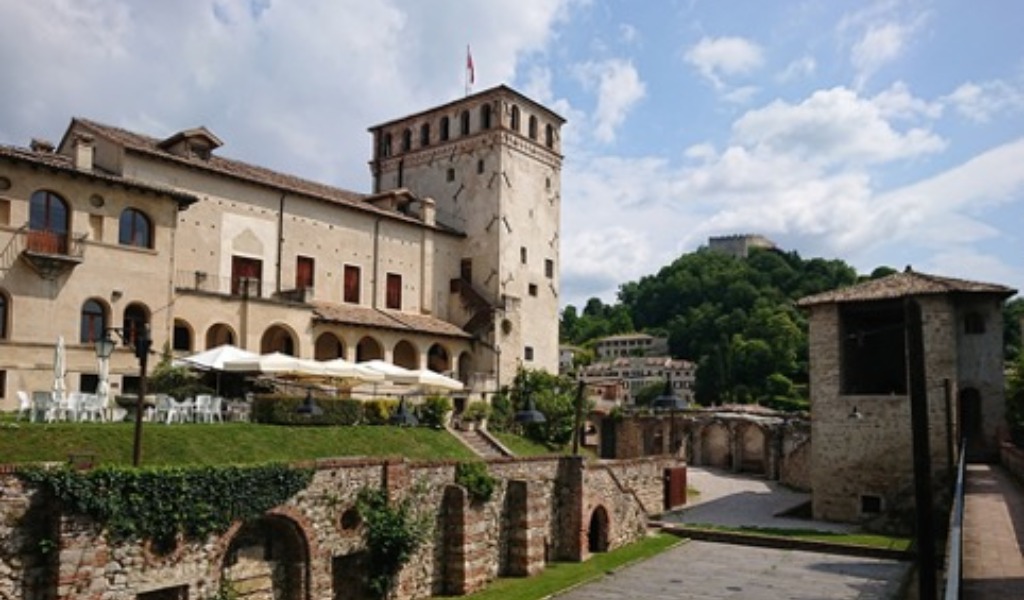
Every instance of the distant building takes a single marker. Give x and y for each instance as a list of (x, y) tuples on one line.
[(630, 344), (621, 379), (567, 358), (739, 245)]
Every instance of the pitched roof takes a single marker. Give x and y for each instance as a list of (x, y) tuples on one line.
[(63, 163), (385, 319), (155, 148), (901, 285)]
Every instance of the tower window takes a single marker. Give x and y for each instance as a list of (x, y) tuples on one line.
[(480, 166), (549, 136), (425, 135), (515, 119), (445, 126), (385, 146), (528, 353), (974, 323), (450, 174), (533, 127), (522, 254), (464, 123), (406, 140), (485, 116), (549, 268), (533, 289)]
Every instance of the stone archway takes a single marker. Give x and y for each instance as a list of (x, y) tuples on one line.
[(405, 355), (597, 531), (278, 338), (752, 449), (267, 559), (219, 334), (369, 348), (438, 359), (715, 450), (328, 347)]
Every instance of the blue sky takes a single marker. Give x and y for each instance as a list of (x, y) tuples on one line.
[(880, 133)]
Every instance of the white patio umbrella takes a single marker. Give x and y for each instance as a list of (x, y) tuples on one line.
[(392, 373), (60, 370), (432, 381), (278, 364), (214, 358), (103, 383), (350, 372)]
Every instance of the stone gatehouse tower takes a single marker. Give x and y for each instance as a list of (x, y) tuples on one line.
[(492, 163), (861, 440)]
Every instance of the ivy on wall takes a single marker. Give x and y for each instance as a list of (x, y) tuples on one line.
[(393, 533), (162, 503)]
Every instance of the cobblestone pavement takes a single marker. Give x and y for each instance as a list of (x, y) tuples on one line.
[(708, 571), (993, 534)]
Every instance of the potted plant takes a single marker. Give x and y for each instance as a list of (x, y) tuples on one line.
[(474, 416)]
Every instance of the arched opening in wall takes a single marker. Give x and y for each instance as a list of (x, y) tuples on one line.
[(328, 347), (972, 429), (597, 532), (277, 338), (136, 318), (181, 339), (752, 445), (715, 448), (438, 359), (218, 335), (268, 558), (369, 349), (405, 355), (465, 367)]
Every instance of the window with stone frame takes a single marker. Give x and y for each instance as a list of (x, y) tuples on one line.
[(393, 295), (424, 135), (135, 229), (514, 119), (872, 348), (444, 129), (464, 123), (305, 267), (94, 322)]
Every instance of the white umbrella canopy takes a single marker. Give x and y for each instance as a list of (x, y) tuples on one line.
[(339, 368), (214, 358), (60, 370), (432, 381), (278, 364), (392, 372)]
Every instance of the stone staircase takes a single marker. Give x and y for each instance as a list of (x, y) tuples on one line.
[(482, 444)]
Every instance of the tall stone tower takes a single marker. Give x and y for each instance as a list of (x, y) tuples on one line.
[(491, 162)]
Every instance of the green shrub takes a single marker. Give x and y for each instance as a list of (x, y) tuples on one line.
[(379, 411), (434, 411), (393, 533), (476, 412), (180, 382), (281, 410), (476, 479)]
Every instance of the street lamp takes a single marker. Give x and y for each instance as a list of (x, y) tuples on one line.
[(530, 414), (403, 417), (668, 400), (309, 407), (142, 343)]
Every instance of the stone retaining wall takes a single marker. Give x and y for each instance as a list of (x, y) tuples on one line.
[(542, 510)]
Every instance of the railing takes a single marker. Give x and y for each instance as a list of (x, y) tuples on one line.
[(54, 244), (201, 281), (955, 543)]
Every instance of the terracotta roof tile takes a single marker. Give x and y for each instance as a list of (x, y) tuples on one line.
[(901, 285), (64, 163), (385, 319)]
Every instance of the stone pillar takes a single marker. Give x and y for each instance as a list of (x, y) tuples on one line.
[(466, 564), (570, 530), (526, 545), (396, 479)]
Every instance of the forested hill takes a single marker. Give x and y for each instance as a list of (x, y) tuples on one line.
[(735, 317)]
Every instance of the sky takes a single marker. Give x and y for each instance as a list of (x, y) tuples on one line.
[(878, 133)]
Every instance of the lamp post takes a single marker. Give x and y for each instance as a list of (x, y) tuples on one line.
[(530, 414), (309, 407), (142, 343), (404, 417)]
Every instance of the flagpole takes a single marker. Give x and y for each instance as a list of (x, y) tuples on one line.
[(465, 70)]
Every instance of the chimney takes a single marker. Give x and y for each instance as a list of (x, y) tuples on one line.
[(41, 145), (83, 150), (429, 212)]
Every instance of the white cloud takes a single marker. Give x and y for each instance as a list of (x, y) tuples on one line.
[(628, 34), (618, 87), (883, 32), (716, 58), (831, 127), (897, 102), (981, 102), (798, 69)]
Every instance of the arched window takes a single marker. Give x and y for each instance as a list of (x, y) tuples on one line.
[(135, 229), (5, 314), (533, 127), (136, 317), (425, 135), (515, 118), (445, 126), (464, 123), (182, 339), (485, 116), (406, 140), (48, 223), (549, 136), (385, 146), (94, 322)]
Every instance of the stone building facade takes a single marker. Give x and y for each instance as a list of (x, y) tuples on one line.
[(450, 263), (619, 380), (543, 510), (861, 433)]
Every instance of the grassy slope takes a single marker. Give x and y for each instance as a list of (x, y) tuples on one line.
[(228, 443)]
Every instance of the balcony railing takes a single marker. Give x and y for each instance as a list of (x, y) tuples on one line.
[(49, 253), (242, 287)]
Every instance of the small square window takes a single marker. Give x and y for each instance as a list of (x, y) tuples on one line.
[(522, 254), (870, 505), (533, 289), (450, 175), (549, 268), (480, 166), (528, 353)]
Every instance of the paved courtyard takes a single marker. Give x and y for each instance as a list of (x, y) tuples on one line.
[(709, 571)]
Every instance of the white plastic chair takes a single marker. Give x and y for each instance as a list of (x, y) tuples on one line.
[(90, 409), (179, 412), (67, 409), (24, 406), (217, 409), (201, 410), (43, 407)]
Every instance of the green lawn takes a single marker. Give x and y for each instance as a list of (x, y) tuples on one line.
[(560, 576), (227, 443), (852, 539)]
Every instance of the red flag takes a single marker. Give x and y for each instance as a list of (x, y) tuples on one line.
[(469, 66)]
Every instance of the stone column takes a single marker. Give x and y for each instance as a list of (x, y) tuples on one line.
[(526, 530)]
